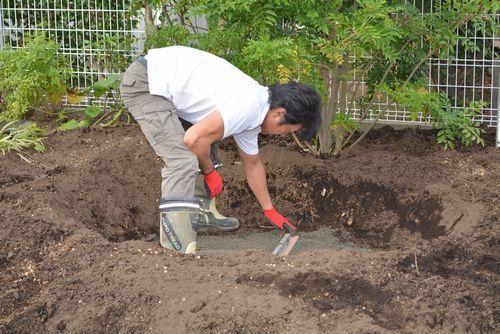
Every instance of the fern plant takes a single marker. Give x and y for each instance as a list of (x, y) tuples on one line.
[(458, 126)]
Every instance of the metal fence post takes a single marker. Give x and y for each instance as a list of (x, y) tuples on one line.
[(496, 84), (2, 45), (497, 71)]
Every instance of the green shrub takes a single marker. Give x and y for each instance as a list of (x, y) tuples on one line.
[(31, 79)]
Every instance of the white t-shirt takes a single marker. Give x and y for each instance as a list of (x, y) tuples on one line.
[(198, 83)]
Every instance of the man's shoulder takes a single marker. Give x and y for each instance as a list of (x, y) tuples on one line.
[(179, 52)]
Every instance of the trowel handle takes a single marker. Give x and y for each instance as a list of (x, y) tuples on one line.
[(293, 232)]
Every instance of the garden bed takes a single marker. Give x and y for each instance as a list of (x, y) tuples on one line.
[(418, 227)]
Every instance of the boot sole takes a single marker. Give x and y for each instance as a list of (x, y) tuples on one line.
[(204, 227)]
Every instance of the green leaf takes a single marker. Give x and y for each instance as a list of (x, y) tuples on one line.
[(111, 82), (69, 125), (84, 123), (92, 111)]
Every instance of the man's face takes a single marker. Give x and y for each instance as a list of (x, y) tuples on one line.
[(273, 123)]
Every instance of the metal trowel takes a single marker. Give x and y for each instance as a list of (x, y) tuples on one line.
[(286, 244)]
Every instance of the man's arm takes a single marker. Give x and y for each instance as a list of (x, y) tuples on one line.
[(201, 135), (256, 178)]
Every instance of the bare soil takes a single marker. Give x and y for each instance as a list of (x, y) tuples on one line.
[(79, 246)]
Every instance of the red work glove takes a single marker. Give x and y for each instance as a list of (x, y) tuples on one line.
[(213, 183), (279, 221)]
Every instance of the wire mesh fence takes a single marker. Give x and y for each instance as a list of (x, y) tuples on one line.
[(96, 37), (100, 37)]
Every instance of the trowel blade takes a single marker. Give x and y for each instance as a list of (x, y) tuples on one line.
[(286, 245)]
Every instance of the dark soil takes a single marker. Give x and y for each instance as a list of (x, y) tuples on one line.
[(79, 250)]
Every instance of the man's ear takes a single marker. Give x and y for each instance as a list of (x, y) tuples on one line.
[(279, 112)]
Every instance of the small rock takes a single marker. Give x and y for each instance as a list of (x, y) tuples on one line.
[(61, 326)]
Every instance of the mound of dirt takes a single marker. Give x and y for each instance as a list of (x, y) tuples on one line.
[(79, 246)]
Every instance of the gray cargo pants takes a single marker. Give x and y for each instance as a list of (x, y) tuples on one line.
[(161, 126)]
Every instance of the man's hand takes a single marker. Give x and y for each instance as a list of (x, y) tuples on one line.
[(213, 183), (279, 221)]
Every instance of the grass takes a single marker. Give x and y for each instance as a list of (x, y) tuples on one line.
[(21, 138)]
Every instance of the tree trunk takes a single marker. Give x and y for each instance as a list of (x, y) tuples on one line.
[(325, 133), (340, 132), (148, 18)]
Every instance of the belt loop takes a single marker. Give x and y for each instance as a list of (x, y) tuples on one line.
[(142, 60)]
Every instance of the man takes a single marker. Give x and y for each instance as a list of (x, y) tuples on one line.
[(175, 85)]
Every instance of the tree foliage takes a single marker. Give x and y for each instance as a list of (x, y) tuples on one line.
[(329, 44)]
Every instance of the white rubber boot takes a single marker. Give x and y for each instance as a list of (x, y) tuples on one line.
[(178, 218)]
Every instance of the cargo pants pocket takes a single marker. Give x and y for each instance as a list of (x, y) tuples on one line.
[(158, 121)]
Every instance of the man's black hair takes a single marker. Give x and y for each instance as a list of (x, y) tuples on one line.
[(302, 104)]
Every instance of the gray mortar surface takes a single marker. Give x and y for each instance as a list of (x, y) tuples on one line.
[(267, 240)]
